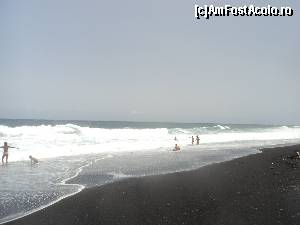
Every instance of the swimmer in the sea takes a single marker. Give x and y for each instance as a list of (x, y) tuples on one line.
[(197, 139), (176, 148)]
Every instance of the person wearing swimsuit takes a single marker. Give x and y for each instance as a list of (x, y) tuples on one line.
[(197, 139), (5, 151)]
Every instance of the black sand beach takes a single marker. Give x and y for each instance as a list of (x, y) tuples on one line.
[(257, 189)]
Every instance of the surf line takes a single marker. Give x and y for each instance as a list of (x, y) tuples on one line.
[(63, 182)]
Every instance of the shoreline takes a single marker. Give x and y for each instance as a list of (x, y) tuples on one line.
[(179, 185), (64, 182), (71, 181)]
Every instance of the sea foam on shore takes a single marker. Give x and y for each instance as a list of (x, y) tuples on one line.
[(88, 154), (256, 189)]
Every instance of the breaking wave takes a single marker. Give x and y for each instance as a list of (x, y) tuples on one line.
[(47, 141)]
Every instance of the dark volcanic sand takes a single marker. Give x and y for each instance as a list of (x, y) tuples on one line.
[(248, 190)]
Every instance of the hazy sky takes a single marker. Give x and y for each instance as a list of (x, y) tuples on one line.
[(147, 61)]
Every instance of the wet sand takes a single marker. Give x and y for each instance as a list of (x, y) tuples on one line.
[(258, 189)]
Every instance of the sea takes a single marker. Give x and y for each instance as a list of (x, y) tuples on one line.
[(74, 155)]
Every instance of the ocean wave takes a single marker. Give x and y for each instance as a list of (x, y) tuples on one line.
[(47, 141), (224, 127), (118, 176)]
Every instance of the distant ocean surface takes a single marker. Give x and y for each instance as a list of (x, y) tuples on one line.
[(70, 152)]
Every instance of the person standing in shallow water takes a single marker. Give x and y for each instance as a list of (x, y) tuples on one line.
[(197, 139), (5, 151), (193, 140)]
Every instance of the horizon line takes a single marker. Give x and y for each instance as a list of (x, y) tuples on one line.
[(131, 121)]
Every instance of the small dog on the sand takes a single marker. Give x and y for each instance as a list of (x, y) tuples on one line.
[(33, 160)]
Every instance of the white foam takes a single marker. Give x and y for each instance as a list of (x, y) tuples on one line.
[(48, 141), (80, 187), (222, 127), (117, 176)]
